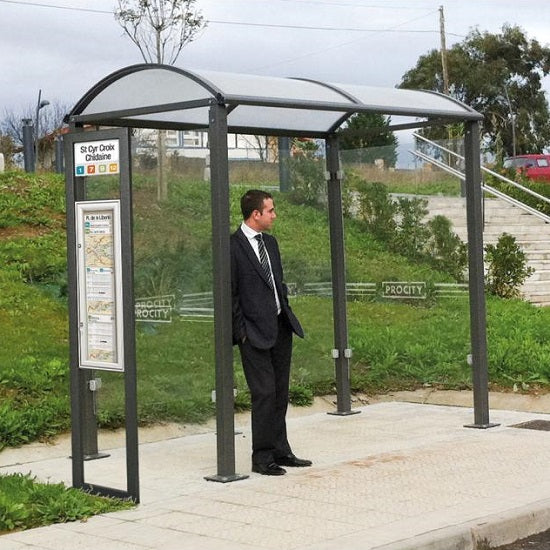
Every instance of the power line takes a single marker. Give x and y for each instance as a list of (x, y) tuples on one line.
[(390, 29), (239, 23), (345, 4), (54, 6), (312, 28)]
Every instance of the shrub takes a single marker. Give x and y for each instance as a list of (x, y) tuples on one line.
[(507, 269), (411, 235), (307, 174), (378, 211), (399, 225), (448, 253)]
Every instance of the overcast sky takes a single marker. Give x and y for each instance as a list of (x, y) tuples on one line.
[(64, 52)]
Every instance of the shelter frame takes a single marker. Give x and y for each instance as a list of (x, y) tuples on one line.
[(84, 424), (172, 98)]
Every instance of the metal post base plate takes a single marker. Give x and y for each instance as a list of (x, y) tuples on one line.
[(226, 479), (481, 426), (96, 456), (343, 413)]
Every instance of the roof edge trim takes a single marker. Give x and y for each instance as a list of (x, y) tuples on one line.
[(454, 100), (128, 113)]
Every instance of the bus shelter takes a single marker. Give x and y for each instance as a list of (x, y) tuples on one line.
[(166, 97)]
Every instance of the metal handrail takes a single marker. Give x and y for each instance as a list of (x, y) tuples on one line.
[(484, 187), (487, 170)]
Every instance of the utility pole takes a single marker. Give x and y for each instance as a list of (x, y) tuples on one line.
[(443, 51)]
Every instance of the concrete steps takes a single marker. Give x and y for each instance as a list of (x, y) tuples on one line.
[(531, 233)]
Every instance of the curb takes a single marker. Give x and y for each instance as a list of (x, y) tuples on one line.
[(484, 533)]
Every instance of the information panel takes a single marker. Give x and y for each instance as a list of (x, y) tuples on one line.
[(99, 285)]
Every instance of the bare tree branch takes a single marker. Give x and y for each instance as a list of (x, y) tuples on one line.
[(160, 28)]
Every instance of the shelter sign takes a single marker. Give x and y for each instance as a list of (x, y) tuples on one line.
[(97, 158), (99, 285)]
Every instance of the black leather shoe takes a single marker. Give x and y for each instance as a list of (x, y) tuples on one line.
[(270, 469), (292, 461)]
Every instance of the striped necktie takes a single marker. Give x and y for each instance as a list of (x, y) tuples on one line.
[(263, 259)]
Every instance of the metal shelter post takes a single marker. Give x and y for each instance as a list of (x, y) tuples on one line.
[(341, 352), (28, 145), (130, 376), (478, 327), (84, 422), (79, 378), (219, 183), (284, 159)]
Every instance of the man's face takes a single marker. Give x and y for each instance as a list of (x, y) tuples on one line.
[(265, 219)]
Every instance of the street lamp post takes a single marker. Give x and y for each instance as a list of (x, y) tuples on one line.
[(39, 104)]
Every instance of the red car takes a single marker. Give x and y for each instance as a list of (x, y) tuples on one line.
[(535, 167)]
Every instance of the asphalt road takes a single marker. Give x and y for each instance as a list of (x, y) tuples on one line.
[(535, 542)]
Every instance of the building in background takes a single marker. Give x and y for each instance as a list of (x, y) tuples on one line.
[(194, 144)]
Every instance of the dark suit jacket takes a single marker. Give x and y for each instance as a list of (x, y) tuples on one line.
[(254, 307)]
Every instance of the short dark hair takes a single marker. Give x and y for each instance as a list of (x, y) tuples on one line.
[(253, 200)]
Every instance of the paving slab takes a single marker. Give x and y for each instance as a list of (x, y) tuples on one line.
[(397, 476)]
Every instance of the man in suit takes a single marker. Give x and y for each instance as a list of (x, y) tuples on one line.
[(263, 325)]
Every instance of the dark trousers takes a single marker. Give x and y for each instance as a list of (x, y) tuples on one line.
[(267, 373)]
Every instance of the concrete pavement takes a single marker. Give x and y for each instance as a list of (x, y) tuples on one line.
[(397, 476)]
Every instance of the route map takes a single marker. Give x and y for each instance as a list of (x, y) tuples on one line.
[(99, 271)]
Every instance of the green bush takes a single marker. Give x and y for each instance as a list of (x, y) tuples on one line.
[(445, 249), (412, 235), (300, 395), (378, 211), (307, 174), (399, 225), (507, 269)]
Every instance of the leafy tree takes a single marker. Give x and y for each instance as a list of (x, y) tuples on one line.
[(160, 29), (370, 131), (500, 76)]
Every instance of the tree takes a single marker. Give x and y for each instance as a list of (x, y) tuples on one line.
[(51, 118), (8, 149), (370, 131), (11, 127), (500, 76), (160, 29)]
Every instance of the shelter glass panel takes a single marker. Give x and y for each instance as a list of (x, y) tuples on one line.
[(191, 117), (271, 87), (302, 232), (299, 120), (173, 292), (408, 302), (391, 99), (105, 390), (144, 88)]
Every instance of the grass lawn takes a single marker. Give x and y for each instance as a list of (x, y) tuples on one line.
[(26, 503), (395, 345)]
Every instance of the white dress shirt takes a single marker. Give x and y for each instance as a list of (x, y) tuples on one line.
[(250, 234)]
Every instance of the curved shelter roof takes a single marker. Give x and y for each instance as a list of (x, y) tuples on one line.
[(162, 96)]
